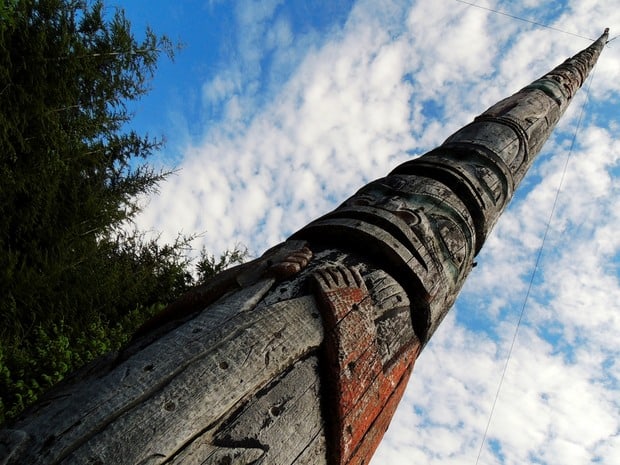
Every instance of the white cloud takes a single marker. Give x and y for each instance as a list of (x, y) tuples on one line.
[(221, 87)]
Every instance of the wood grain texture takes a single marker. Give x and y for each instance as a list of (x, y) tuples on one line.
[(153, 404), (283, 417)]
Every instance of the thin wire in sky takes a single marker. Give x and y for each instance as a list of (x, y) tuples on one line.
[(536, 265), (525, 20)]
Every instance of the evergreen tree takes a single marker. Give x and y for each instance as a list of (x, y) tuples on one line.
[(73, 283)]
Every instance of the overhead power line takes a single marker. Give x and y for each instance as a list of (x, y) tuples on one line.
[(536, 266), (503, 13)]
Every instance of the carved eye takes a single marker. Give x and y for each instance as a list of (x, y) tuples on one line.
[(408, 216), (360, 201)]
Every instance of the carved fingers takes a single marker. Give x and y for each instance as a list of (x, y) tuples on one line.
[(338, 277), (291, 264), (340, 290)]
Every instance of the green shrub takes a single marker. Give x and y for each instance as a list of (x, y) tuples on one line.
[(29, 368)]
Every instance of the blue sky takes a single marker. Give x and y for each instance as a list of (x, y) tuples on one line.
[(275, 112)]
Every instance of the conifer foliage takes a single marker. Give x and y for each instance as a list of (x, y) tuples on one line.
[(72, 281)]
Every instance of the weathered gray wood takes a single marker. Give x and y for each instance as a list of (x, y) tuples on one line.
[(140, 377), (180, 384), (250, 352), (283, 417), (261, 431), (226, 455)]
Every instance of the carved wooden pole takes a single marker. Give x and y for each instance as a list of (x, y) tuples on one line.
[(301, 356)]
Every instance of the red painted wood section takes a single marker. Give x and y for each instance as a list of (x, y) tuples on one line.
[(367, 447), (364, 392)]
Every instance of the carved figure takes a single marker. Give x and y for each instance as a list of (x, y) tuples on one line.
[(366, 382), (280, 262)]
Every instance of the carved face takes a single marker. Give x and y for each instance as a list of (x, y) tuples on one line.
[(433, 226), (392, 194), (395, 204)]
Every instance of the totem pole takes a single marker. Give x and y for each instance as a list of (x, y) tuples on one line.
[(301, 356)]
